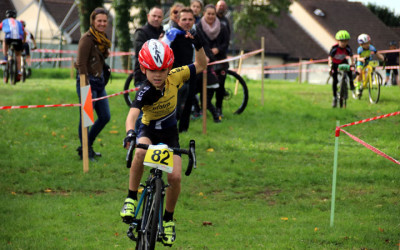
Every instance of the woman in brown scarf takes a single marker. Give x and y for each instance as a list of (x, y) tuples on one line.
[(92, 52)]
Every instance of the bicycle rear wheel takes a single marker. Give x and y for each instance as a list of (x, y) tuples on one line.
[(374, 87), (6, 72), (129, 97), (151, 213), (13, 71), (236, 96)]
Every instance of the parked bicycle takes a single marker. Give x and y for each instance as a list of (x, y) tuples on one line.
[(236, 92), (343, 84), (10, 70), (371, 80), (146, 229)]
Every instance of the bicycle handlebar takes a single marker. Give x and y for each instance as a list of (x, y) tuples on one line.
[(191, 152)]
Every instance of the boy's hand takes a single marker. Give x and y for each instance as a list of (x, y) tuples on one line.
[(130, 137)]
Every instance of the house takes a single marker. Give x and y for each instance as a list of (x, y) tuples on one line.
[(308, 32)]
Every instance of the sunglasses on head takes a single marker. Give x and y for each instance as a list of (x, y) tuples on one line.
[(175, 12)]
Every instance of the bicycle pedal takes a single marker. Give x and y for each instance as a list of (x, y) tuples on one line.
[(128, 220)]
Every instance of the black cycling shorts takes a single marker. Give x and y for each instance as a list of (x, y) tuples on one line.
[(27, 49), (18, 46), (167, 136)]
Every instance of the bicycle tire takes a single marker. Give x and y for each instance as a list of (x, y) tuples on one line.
[(13, 71), (147, 237), (128, 85), (235, 103), (343, 91), (23, 69), (374, 87)]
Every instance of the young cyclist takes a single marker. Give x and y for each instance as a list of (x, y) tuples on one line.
[(338, 55), (365, 52), (157, 99), (14, 32)]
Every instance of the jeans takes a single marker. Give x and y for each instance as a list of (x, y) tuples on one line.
[(102, 109)]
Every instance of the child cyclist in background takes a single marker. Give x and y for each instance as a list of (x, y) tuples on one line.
[(157, 98), (365, 52), (338, 55)]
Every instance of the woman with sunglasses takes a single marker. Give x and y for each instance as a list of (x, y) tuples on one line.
[(173, 15)]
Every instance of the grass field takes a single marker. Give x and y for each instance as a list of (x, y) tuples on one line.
[(263, 180)]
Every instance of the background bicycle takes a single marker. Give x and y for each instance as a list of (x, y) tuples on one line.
[(10, 70), (146, 229), (372, 80), (236, 92)]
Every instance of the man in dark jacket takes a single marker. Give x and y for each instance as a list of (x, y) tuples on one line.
[(183, 51), (151, 30)]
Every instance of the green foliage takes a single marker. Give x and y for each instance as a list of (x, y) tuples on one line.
[(266, 183), (85, 9), (122, 18), (386, 15), (251, 14)]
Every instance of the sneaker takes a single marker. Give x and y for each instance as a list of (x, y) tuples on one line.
[(128, 210), (334, 102), (169, 233)]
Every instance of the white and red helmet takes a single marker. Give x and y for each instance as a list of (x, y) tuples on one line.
[(156, 55), (363, 38)]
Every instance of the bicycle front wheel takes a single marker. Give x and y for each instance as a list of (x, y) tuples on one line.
[(374, 87), (151, 213), (236, 93), (129, 83), (343, 92)]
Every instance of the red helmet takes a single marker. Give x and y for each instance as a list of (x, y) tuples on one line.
[(156, 55)]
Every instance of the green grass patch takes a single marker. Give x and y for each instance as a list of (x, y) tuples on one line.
[(266, 183)]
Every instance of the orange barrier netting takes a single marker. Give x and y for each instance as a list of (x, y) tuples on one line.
[(373, 149)]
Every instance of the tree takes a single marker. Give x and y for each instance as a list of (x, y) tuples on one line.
[(85, 9), (386, 15), (122, 19), (253, 13)]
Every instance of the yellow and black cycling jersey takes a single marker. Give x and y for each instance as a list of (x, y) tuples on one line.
[(159, 106)]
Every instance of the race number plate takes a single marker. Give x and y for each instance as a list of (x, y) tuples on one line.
[(159, 156)]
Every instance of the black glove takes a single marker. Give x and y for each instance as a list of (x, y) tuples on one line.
[(197, 40), (130, 137)]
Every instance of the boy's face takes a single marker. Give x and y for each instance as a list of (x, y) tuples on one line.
[(156, 77), (365, 45), (343, 43)]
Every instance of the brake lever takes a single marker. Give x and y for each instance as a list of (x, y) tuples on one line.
[(129, 154)]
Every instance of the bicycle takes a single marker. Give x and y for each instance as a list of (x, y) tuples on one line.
[(24, 69), (149, 227), (237, 95), (343, 84), (371, 79), (10, 71)]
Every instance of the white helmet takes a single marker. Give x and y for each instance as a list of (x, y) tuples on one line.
[(363, 38)]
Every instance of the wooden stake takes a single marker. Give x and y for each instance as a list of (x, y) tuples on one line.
[(204, 106), (239, 70), (85, 149), (262, 70)]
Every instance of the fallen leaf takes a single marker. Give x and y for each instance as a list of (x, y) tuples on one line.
[(381, 229), (44, 116), (116, 234), (201, 194), (53, 133), (207, 223), (113, 131), (98, 139), (217, 234), (283, 148), (210, 150), (316, 229), (48, 190), (62, 136), (65, 146), (13, 193), (284, 218), (253, 160)]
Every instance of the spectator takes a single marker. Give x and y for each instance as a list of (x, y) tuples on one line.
[(92, 52), (217, 40), (14, 32), (151, 30), (183, 51), (222, 9), (173, 14), (392, 59), (29, 43), (196, 6)]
